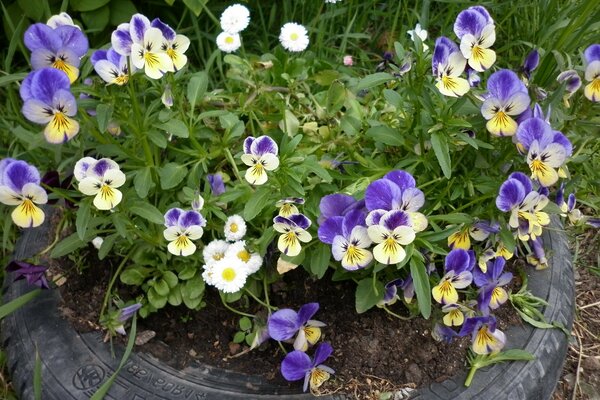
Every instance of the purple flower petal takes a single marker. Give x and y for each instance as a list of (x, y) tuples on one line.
[(374, 217), (138, 26), (65, 101), (263, 145), (511, 193), (101, 166), (531, 62), (469, 22), (73, 39), (166, 30), (300, 220), (42, 36), (403, 179), (504, 83), (352, 219), (18, 173), (592, 53), (572, 78), (216, 183), (190, 218), (45, 82), (443, 333), (322, 353), (172, 216), (484, 12), (127, 312), (458, 260), (443, 48), (97, 56), (534, 129), (335, 205), (283, 324), (295, 365), (306, 312), (248, 144), (121, 40), (412, 199), (33, 274), (524, 179), (496, 268), (563, 141), (382, 194), (394, 219), (115, 58), (329, 229)]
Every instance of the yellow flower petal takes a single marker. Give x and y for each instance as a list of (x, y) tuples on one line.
[(183, 246), (27, 215), (313, 334), (61, 128), (543, 172), (445, 293), (592, 90), (107, 198), (501, 125)]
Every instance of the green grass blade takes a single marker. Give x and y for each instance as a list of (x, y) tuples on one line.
[(20, 301)]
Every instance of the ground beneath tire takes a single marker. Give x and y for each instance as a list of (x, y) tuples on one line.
[(374, 352), (580, 378)]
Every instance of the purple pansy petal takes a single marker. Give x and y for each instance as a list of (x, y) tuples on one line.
[(300, 220), (41, 36), (524, 179), (283, 324), (98, 55), (263, 145), (33, 274), (248, 144), (457, 260), (592, 53), (25, 89), (295, 365), (496, 268), (480, 278), (190, 218), (322, 353), (306, 312), (374, 217), (531, 62), (403, 179), (511, 194), (166, 30), (572, 78), (65, 101), (47, 81), (504, 279), (102, 166), (19, 173), (412, 199), (73, 39), (391, 289), (534, 129), (352, 219), (41, 58), (394, 219), (469, 22), (484, 297), (443, 333), (216, 184), (482, 10), (114, 57), (329, 229), (563, 141), (172, 216), (138, 26), (504, 83), (571, 202), (443, 48), (283, 220), (486, 226), (382, 194), (121, 40), (335, 204), (127, 312)]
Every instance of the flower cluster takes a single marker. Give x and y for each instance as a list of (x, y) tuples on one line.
[(234, 20)]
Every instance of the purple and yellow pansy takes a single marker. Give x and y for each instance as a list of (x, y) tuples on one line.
[(182, 228), (20, 187)]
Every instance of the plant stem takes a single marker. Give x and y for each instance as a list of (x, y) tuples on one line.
[(266, 290), (112, 282), (227, 306), (472, 371), (229, 157), (387, 310), (268, 306), (59, 228)]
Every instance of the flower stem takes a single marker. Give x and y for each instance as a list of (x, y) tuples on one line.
[(387, 310), (229, 157), (227, 306), (471, 375), (112, 282), (59, 228), (268, 306), (266, 289)]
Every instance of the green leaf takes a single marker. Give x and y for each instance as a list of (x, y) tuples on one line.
[(392, 97), (170, 278), (508, 355), (372, 80), (175, 127), (312, 165), (157, 137), (175, 298), (37, 376), (120, 222), (197, 87), (385, 135), (245, 324), (67, 245), (454, 218), (83, 218), (107, 246), (195, 287), (87, 5), (143, 182), (290, 123), (195, 5), (135, 275), (157, 300), (319, 259), (187, 273), (103, 115), (148, 212), (439, 142), (162, 288), (239, 337), (33, 9), (121, 11), (368, 294), (96, 20), (336, 96), (171, 175), (9, 79), (257, 202), (422, 287), (17, 303)]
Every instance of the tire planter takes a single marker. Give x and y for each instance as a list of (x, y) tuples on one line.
[(75, 365)]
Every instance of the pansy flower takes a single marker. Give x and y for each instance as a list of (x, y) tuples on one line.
[(111, 66), (48, 101), (293, 231), (573, 83), (338, 205), (260, 154), (538, 258), (217, 186), (479, 231), (286, 323), (100, 178), (349, 239), (149, 55), (20, 186), (61, 48), (530, 64), (517, 196), (592, 72), (547, 150), (173, 44), (182, 228), (448, 64), (395, 191), (568, 207), (443, 333), (124, 314), (491, 293), (507, 97), (477, 33), (288, 207), (297, 365), (485, 338), (34, 274), (458, 266), (391, 232)]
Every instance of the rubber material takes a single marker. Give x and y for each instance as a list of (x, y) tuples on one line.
[(74, 365)]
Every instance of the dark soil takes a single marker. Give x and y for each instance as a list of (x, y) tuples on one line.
[(374, 352)]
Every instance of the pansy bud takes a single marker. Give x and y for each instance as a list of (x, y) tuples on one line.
[(198, 202), (167, 97), (531, 63), (572, 78)]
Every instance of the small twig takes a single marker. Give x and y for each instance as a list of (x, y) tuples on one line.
[(589, 305), (577, 372)]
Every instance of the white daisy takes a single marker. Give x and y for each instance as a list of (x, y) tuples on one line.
[(235, 18), (207, 275), (332, 1), (229, 275), (214, 251), (293, 37), (228, 42), (251, 261), (235, 228)]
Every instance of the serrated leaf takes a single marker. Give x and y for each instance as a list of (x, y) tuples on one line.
[(171, 175), (385, 135), (256, 203), (422, 287), (175, 127), (83, 218), (368, 294), (148, 212), (67, 245), (439, 143), (372, 80), (197, 87)]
